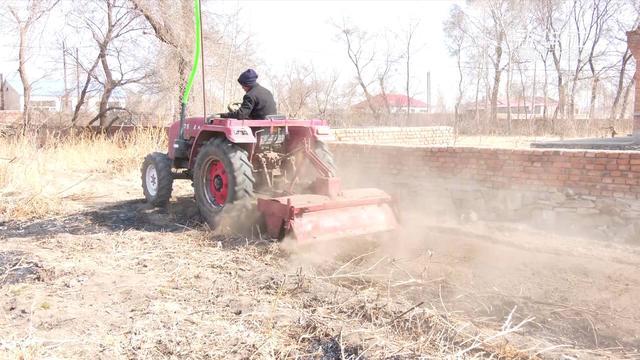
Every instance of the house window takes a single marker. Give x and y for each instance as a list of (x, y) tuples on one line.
[(48, 105)]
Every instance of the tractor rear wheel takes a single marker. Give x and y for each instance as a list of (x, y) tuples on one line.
[(157, 179), (307, 173), (222, 175), (323, 152)]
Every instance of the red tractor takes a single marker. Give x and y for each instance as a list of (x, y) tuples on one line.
[(281, 165)]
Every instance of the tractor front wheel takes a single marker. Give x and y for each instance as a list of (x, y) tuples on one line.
[(157, 180), (223, 175)]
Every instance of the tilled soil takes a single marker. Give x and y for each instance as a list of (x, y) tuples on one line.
[(118, 279)]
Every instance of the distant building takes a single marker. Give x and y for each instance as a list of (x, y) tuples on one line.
[(521, 108), (9, 97), (397, 104), (49, 96)]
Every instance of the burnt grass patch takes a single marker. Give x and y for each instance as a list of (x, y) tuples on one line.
[(16, 267), (119, 216), (331, 349)]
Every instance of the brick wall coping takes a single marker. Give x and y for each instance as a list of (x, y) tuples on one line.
[(614, 154)]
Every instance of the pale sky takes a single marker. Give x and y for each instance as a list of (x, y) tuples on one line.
[(303, 31)]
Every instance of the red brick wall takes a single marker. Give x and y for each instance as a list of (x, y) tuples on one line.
[(599, 188), (597, 173)]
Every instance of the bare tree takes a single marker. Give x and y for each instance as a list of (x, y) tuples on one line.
[(541, 40), (456, 33), (85, 88), (172, 24), (25, 19), (567, 39), (626, 57), (383, 76), (588, 18), (516, 33), (121, 20), (356, 41), (114, 27), (625, 99), (489, 27), (294, 90), (622, 91), (604, 10), (411, 29), (324, 91), (554, 24)]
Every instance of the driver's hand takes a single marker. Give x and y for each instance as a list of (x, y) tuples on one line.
[(234, 106)]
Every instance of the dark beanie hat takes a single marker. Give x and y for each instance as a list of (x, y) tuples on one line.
[(248, 78)]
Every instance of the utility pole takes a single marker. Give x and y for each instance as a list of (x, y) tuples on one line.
[(65, 97)]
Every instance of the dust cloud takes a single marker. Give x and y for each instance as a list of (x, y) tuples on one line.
[(571, 288)]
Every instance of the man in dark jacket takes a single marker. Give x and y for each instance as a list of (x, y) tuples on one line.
[(257, 103)]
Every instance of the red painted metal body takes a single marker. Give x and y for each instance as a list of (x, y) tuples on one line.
[(329, 213), (312, 217), (240, 131)]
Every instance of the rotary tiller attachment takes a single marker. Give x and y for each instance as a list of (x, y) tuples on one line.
[(313, 217)]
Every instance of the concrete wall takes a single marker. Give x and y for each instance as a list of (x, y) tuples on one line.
[(578, 192), (417, 135)]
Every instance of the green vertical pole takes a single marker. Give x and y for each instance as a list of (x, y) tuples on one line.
[(194, 67)]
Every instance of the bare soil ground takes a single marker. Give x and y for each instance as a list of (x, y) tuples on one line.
[(117, 279), (105, 276)]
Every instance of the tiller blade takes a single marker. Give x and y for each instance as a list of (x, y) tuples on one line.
[(313, 217)]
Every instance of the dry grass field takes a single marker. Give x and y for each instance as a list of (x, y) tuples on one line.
[(89, 271)]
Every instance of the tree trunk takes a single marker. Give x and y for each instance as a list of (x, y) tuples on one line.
[(26, 85), (594, 93), (83, 93), (625, 100), (496, 85), (104, 104), (494, 97), (530, 119), (459, 98), (383, 91), (571, 110), (559, 111), (477, 111), (545, 93), (509, 94), (620, 86)]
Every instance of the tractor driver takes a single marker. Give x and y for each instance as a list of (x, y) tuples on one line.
[(257, 103)]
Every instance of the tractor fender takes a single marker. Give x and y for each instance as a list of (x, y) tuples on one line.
[(235, 135), (323, 133)]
